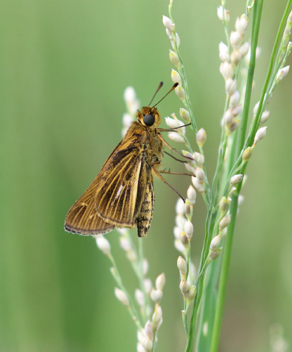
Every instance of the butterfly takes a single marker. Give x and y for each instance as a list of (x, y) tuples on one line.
[(122, 194)]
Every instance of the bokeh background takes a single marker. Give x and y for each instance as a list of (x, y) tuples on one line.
[(64, 67)]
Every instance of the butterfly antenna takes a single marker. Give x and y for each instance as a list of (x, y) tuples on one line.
[(160, 85), (172, 88)]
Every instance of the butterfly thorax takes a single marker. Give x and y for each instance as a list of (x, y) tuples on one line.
[(146, 140)]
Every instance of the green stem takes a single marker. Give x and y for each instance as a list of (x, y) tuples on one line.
[(131, 307), (256, 120), (254, 41), (192, 335), (224, 276)]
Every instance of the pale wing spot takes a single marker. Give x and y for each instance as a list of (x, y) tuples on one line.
[(119, 191)]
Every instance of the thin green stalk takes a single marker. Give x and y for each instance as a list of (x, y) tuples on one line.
[(131, 307), (224, 276), (233, 207), (192, 335), (254, 42), (256, 121), (270, 70)]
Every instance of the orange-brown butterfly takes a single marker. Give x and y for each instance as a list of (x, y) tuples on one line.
[(122, 193)]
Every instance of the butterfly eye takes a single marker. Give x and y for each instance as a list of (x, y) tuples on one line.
[(149, 120)]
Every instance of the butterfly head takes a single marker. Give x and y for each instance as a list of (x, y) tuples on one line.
[(149, 116)]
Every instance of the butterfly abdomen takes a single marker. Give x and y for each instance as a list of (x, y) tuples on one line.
[(144, 218)]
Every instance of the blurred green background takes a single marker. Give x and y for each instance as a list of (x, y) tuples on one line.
[(64, 67)]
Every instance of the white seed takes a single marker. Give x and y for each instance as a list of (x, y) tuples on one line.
[(282, 73), (236, 110), (140, 348), (180, 92), (187, 154), (147, 343), (125, 244), (199, 158), (241, 24), (180, 220), (247, 154), (189, 229), (190, 168), (223, 52), (178, 123), (176, 232), (215, 242), (121, 296), (184, 286), (175, 76), (127, 120), (139, 297), (174, 136), (160, 282), (191, 194), (168, 23), (224, 205), (184, 114), (103, 244), (255, 109), (224, 222), (173, 123), (265, 116), (147, 286), (157, 318), (235, 57), (156, 295), (168, 33), (145, 266), (182, 265), (240, 199), (148, 330), (131, 255), (199, 187), (235, 39), (201, 137), (226, 70), (260, 134), (191, 294), (174, 58), (230, 86), (179, 246), (184, 239), (236, 179), (223, 15), (234, 99), (244, 49), (140, 336), (232, 127), (200, 174), (129, 95), (180, 206), (228, 117), (214, 254)]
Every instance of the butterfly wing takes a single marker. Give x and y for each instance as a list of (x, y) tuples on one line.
[(115, 196), (82, 217), (119, 197)]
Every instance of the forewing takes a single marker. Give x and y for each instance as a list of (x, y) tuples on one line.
[(82, 218), (119, 197)]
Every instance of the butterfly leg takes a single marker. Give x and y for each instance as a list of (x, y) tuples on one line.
[(172, 149), (163, 180), (181, 161), (175, 173)]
